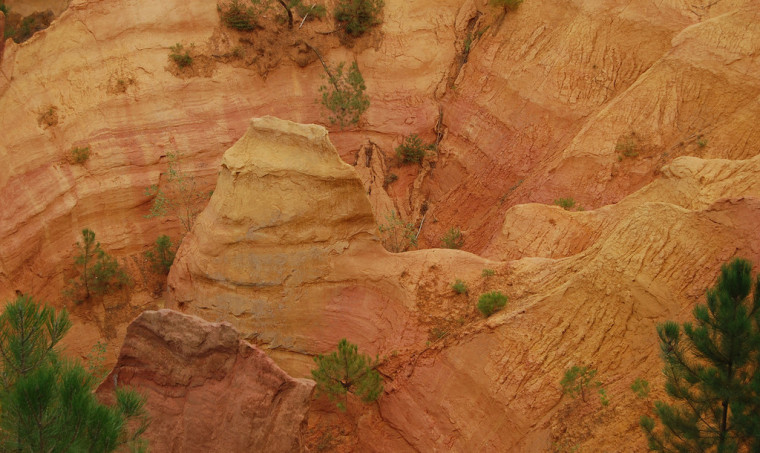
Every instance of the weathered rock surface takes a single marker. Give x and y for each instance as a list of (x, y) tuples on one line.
[(287, 251), (206, 389), (588, 100), (534, 112), (585, 288), (584, 99), (599, 283)]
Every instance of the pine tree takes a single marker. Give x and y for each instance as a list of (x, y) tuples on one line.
[(48, 404), (347, 371), (100, 272), (162, 255), (181, 197), (712, 372), (578, 380)]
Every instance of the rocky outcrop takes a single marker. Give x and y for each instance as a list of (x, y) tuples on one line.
[(287, 251), (206, 389)]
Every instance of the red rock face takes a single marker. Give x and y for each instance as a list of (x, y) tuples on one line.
[(206, 389)]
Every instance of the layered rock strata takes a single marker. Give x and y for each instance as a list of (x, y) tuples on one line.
[(206, 389), (287, 251)]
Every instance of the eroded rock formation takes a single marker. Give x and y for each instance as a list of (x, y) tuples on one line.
[(593, 288), (206, 389), (287, 250), (650, 106)]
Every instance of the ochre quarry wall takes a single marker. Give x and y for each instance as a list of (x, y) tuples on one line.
[(579, 99)]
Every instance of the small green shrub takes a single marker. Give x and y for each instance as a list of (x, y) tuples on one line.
[(506, 4), (347, 371), (237, 52), (397, 235), (579, 379), (161, 256), (468, 43), (390, 179), (565, 203), (80, 155), (459, 287), (357, 16), (309, 12), (344, 95), (490, 303), (628, 146), (603, 398), (181, 59), (488, 273), (453, 239), (413, 150), (701, 141), (48, 117), (100, 272), (640, 387), (237, 16), (438, 333), (4, 8)]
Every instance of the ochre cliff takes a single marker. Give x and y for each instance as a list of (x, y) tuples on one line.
[(287, 251), (206, 389), (536, 109), (644, 112)]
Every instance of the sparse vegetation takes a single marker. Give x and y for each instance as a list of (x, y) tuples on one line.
[(161, 256), (344, 95), (603, 398), (438, 333), (491, 302), (459, 287), (712, 371), (80, 154), (181, 197), (701, 141), (180, 56), (48, 117), (99, 272), (21, 28), (565, 203), (488, 273), (390, 178), (453, 239), (413, 150), (578, 380), (309, 12), (242, 17), (628, 146), (640, 388), (347, 371), (398, 236), (48, 402), (357, 16)]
